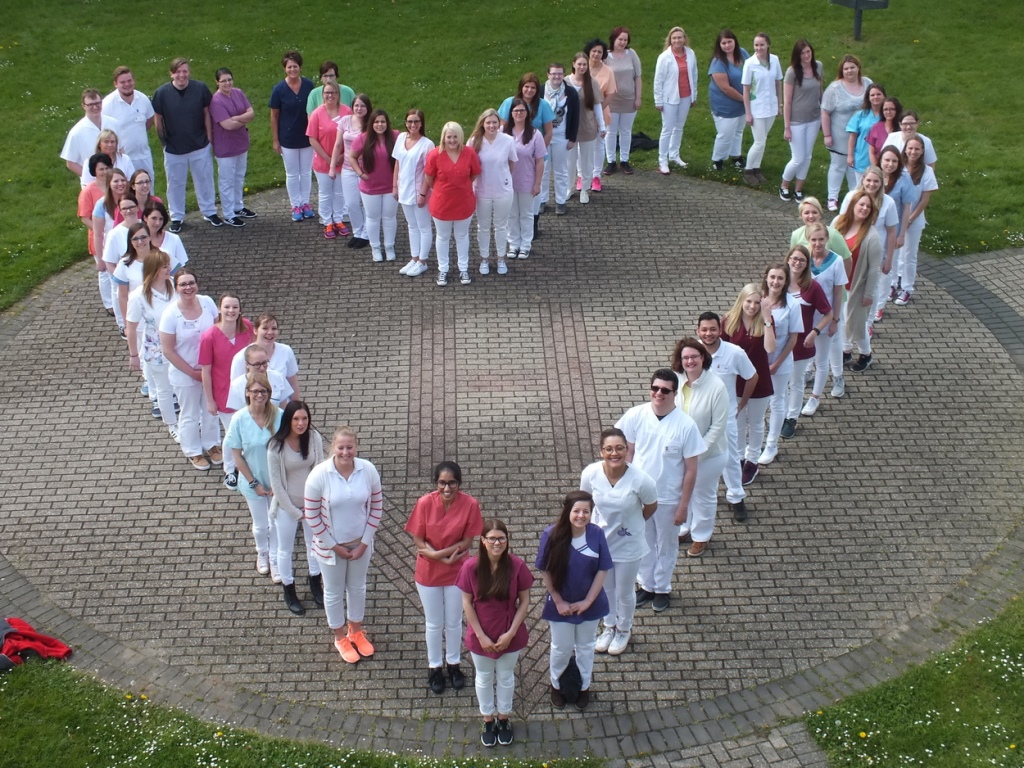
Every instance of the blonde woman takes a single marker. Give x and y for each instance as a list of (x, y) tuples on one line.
[(675, 89), (856, 225), (493, 187), (248, 434)]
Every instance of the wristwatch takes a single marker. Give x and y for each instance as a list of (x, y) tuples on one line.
[(254, 483)]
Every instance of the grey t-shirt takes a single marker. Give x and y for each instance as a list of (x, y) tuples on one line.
[(806, 96)]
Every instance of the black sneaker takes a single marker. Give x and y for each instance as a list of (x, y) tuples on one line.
[(718, 164), (489, 736), (739, 511), (847, 359), (235, 222), (785, 194), (214, 219), (245, 213), (750, 470), (798, 196), (626, 167), (788, 429), (643, 597), (231, 480), (174, 227), (455, 676), (610, 168), (121, 331), (660, 603), (739, 162), (862, 364), (505, 735), (436, 680)]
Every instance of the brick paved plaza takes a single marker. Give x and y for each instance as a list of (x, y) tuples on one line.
[(888, 525)]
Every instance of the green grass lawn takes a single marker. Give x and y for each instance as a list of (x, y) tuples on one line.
[(455, 58), (964, 707), (52, 715)]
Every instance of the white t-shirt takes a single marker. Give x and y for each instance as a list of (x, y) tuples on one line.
[(115, 244), (128, 274), (787, 319), (186, 335), (928, 184), (148, 315), (728, 362), (279, 384), (283, 361), (896, 139), (764, 96), (174, 248), (410, 167), (618, 509), (662, 446), (495, 179), (128, 121), (80, 145), (834, 274)]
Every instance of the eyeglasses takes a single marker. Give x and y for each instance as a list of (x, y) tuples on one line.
[(519, 111), (190, 284), (258, 392), (689, 359), (128, 208), (264, 364), (447, 483), (330, 94), (140, 238), (663, 390), (413, 122), (92, 104), (908, 124), (142, 182), (494, 540), (226, 80), (613, 449)]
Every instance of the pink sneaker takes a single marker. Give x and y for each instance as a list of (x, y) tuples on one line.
[(595, 184), (579, 183)]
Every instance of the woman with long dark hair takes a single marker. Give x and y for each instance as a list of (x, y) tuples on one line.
[(526, 178), (858, 150), (495, 598), (573, 561), (624, 103), (591, 128), (539, 112), (880, 131), (725, 92), (292, 453), (923, 177), (371, 159), (350, 127), (801, 111)]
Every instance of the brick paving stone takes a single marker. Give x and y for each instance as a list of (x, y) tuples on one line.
[(514, 378)]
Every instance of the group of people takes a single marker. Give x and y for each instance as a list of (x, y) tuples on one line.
[(614, 545)]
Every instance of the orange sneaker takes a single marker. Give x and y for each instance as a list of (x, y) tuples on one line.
[(361, 644), (348, 653)]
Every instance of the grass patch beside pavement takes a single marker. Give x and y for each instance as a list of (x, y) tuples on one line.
[(964, 707), (53, 715), (453, 59)]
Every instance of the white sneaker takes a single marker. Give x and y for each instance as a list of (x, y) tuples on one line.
[(604, 640), (464, 278), (502, 267), (417, 269), (768, 455), (377, 255), (618, 645), (584, 197), (442, 279), (809, 375), (389, 253), (262, 563), (678, 161), (174, 435), (405, 270), (524, 254), (275, 576), (839, 386), (512, 253), (663, 170), (485, 267), (810, 407)]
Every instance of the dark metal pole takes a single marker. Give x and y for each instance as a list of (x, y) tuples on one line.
[(858, 17)]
